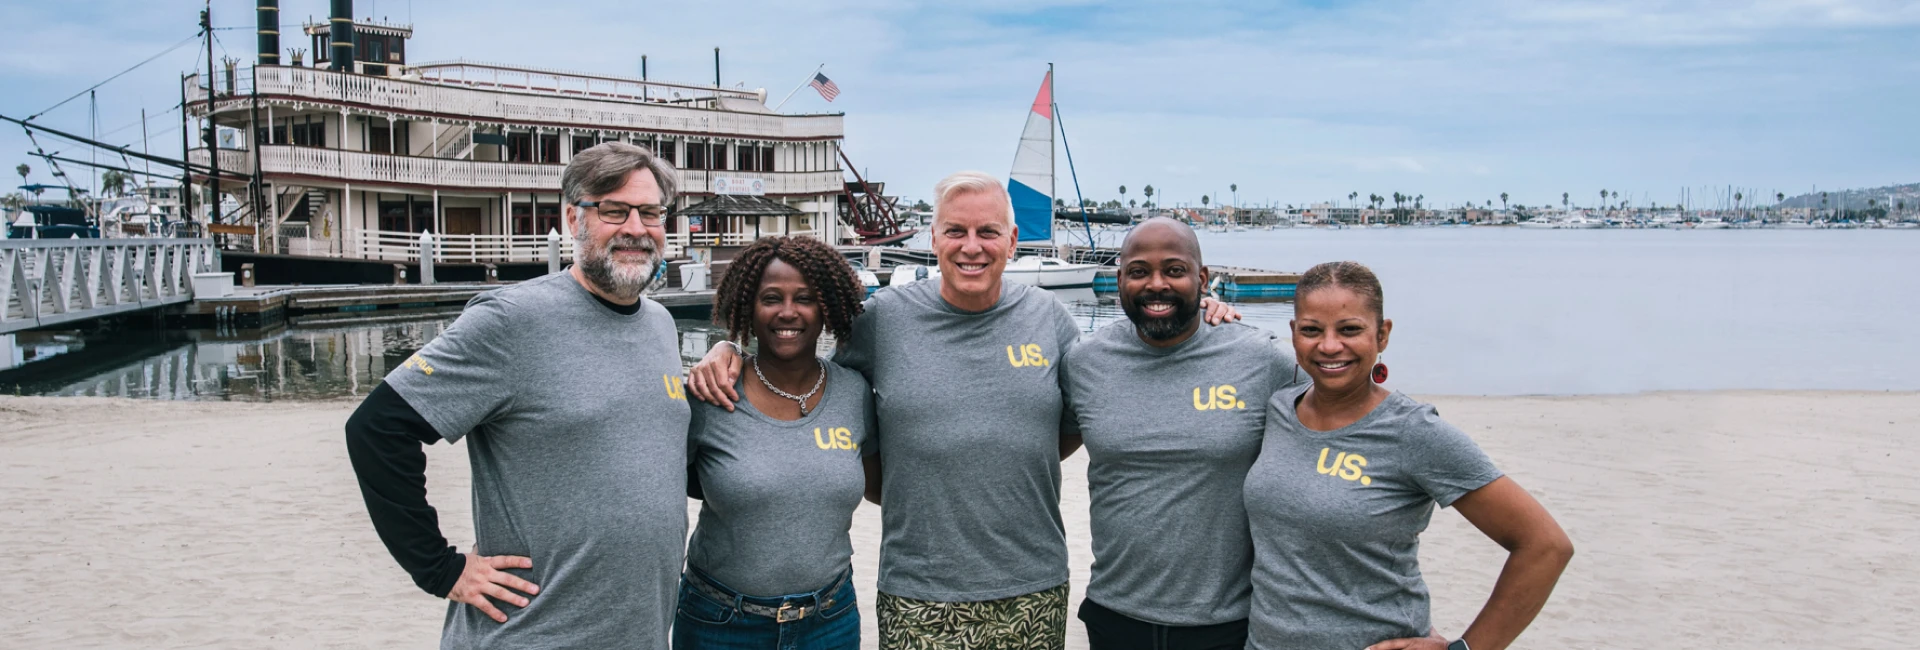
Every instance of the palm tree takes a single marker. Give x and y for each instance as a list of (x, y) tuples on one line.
[(1353, 198), (1603, 197), (1779, 197), (1203, 200), (1564, 204), (23, 170), (1149, 192), (113, 181), (1123, 192), (1131, 203), (1235, 188), (1503, 201), (1418, 199)]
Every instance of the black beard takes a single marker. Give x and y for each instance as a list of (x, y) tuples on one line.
[(1161, 328)]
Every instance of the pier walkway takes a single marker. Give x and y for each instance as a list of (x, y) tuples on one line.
[(54, 281)]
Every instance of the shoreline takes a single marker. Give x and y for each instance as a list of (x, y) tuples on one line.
[(1699, 516)]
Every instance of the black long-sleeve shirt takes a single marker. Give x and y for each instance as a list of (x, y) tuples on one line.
[(384, 439)]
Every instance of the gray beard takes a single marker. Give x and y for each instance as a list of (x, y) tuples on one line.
[(621, 281)]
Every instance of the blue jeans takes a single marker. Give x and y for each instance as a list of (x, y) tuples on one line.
[(705, 623)]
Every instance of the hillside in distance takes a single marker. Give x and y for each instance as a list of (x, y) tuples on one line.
[(1856, 199)]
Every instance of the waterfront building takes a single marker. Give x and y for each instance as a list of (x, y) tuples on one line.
[(357, 155)]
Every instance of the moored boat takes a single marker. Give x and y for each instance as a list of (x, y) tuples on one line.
[(1049, 272)]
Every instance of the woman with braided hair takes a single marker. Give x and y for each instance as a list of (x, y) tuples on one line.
[(780, 475)]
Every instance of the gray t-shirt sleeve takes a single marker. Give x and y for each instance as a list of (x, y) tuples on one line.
[(1068, 334), (856, 353), (462, 378), (1069, 413), (1449, 463), (872, 444), (1286, 370)]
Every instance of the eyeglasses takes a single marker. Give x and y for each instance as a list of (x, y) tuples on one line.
[(616, 213)]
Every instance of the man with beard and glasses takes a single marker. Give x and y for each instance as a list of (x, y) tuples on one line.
[(1171, 411), (567, 390)]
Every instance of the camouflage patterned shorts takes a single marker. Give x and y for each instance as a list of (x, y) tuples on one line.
[(1036, 621)]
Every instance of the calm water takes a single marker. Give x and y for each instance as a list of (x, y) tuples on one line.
[(1476, 311)]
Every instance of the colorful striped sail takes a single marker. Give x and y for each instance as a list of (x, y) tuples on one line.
[(1031, 185)]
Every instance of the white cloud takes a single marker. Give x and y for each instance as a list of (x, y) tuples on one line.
[(1454, 100)]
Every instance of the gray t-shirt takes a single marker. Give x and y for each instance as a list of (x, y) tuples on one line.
[(780, 495), (969, 414), (575, 419), (1336, 519), (1170, 433)]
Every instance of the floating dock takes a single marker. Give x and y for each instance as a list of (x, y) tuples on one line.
[(1236, 283), (1229, 283)]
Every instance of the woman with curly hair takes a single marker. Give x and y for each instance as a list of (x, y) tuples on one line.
[(780, 475)]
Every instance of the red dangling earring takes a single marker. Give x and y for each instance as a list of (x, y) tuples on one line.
[(1379, 373)]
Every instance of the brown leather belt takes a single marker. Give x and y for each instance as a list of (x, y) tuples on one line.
[(787, 612)]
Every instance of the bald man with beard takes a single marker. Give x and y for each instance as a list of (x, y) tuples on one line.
[(1171, 411)]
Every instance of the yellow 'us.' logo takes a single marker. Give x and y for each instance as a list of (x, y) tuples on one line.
[(417, 363), (1220, 397), (833, 438), (1345, 465), (676, 387), (1030, 356)]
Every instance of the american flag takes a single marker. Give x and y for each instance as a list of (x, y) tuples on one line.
[(828, 90)]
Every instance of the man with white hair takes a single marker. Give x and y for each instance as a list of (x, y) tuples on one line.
[(578, 454), (965, 372)]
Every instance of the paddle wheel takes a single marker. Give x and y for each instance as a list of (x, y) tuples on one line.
[(865, 207)]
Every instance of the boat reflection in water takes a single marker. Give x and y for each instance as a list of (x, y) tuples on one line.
[(251, 365)]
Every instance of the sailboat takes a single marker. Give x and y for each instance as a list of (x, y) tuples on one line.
[(1032, 189)]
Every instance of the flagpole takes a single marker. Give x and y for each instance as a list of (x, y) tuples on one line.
[(803, 84)]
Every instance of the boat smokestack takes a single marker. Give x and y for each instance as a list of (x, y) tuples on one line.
[(340, 33), (269, 26)]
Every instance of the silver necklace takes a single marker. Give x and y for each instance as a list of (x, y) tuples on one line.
[(797, 399)]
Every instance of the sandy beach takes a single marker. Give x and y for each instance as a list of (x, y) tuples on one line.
[(1737, 519)]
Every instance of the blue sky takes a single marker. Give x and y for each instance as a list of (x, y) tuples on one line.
[(1294, 102)]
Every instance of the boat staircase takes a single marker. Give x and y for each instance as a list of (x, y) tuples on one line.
[(454, 143), (59, 281)]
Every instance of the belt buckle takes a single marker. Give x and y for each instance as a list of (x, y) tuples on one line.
[(788, 613)]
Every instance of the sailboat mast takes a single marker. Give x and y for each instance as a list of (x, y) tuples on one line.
[(1053, 183)]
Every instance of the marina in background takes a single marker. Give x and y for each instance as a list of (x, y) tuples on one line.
[(1501, 312)]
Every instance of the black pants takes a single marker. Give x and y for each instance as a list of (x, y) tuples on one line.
[(1111, 630)]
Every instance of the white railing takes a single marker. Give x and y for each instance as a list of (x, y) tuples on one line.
[(679, 241), (496, 106), (777, 183), (405, 247), (52, 281), (232, 161), (360, 166), (300, 239), (522, 79)]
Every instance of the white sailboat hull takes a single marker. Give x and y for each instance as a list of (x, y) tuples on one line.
[(1049, 273)]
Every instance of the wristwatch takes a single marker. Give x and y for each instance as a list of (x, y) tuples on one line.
[(1458, 644)]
